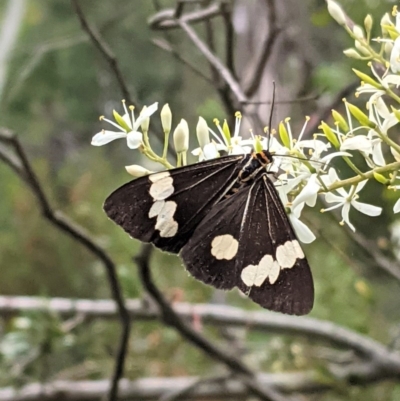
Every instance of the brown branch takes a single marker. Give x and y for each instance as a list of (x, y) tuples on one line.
[(172, 319), (219, 315), (152, 389), (167, 19), (256, 74), (225, 74), (105, 50), (166, 46), (78, 233)]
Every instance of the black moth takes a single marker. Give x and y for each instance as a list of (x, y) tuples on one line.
[(226, 220)]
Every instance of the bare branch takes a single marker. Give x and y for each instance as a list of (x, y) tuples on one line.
[(164, 45), (105, 50), (78, 233), (219, 315), (225, 74), (255, 75), (154, 388), (166, 19)]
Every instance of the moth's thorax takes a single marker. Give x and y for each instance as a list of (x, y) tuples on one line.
[(255, 163)]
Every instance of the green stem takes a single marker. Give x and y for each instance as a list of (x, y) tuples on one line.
[(355, 180), (166, 140)]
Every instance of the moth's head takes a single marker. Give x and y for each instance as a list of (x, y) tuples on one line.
[(264, 157)]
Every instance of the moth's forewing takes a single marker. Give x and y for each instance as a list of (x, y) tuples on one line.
[(182, 197)]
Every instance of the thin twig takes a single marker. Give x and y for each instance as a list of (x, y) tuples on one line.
[(172, 319), (166, 46), (78, 233), (166, 19), (105, 50), (225, 74), (256, 73)]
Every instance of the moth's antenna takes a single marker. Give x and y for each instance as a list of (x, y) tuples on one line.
[(271, 113)]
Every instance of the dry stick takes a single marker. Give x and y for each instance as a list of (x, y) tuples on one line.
[(166, 19), (316, 330), (104, 49), (77, 233), (172, 319), (225, 74), (229, 39), (166, 46), (256, 73)]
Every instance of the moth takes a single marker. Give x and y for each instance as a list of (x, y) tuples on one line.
[(225, 219)]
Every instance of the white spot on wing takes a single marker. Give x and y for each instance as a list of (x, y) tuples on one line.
[(166, 224), (299, 251), (162, 187), (257, 274), (159, 176), (288, 253), (224, 247), (156, 209)]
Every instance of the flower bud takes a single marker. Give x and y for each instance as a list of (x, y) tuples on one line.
[(385, 21), (368, 23), (352, 53), (203, 135), (137, 171), (181, 137), (166, 118), (358, 32), (336, 12)]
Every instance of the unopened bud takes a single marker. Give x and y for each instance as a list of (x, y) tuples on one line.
[(336, 12), (181, 137), (368, 22), (352, 53), (358, 32), (166, 118), (203, 135), (137, 171)]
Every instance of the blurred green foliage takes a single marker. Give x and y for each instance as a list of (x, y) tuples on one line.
[(57, 86)]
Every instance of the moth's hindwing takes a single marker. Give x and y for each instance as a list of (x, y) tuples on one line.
[(247, 241), (164, 208)]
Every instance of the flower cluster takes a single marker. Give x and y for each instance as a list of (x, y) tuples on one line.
[(303, 166)]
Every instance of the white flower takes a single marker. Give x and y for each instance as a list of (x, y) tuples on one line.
[(396, 208), (347, 199), (128, 127), (395, 56), (233, 145), (358, 142), (303, 233)]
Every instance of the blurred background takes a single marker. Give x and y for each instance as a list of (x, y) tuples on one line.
[(54, 85)]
